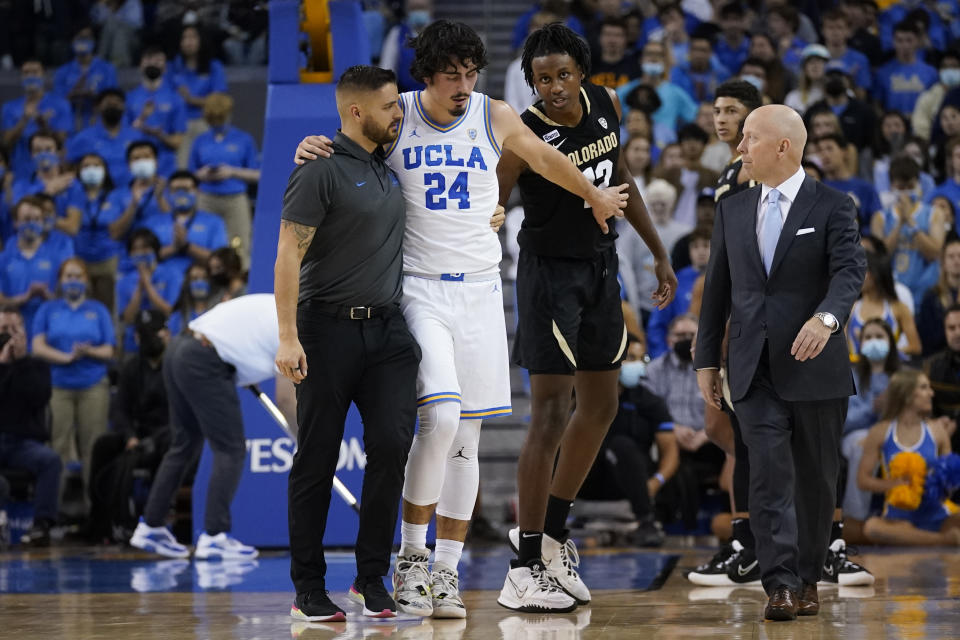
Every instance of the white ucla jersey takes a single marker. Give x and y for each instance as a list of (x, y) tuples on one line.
[(449, 179)]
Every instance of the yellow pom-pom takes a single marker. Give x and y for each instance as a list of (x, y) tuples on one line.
[(913, 467)]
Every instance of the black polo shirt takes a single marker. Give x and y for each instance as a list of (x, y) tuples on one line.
[(356, 204)]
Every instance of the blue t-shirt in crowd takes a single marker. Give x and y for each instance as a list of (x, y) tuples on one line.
[(857, 67), (910, 267), (32, 185), (100, 75), (732, 57), (146, 209), (166, 281), (897, 86), (949, 189), (169, 115), (864, 196), (58, 115), (113, 149), (18, 272), (660, 319), (676, 105), (230, 147), (702, 87), (63, 327), (93, 242), (199, 85), (897, 11), (204, 229), (175, 322)]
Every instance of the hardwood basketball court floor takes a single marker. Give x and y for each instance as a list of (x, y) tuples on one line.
[(112, 593)]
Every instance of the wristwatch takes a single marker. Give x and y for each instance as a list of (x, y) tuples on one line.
[(828, 320)]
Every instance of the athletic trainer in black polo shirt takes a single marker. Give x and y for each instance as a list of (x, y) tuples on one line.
[(343, 339)]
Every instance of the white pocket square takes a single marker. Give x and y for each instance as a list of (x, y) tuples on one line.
[(802, 232)]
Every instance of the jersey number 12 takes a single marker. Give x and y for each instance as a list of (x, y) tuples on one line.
[(603, 173), (438, 186)]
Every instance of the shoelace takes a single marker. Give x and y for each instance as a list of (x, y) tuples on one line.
[(543, 580), (569, 557), (449, 583), (414, 570)]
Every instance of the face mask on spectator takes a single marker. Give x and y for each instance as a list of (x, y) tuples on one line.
[(682, 349), (950, 77), (30, 230), (144, 168), (756, 81), (73, 289), (32, 82), (111, 116), (220, 279), (46, 160), (152, 72), (151, 346), (652, 68), (147, 259), (83, 46), (182, 200), (200, 289), (92, 175), (835, 87), (631, 372), (418, 18), (876, 349)]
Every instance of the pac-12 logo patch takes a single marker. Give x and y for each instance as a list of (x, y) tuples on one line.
[(603, 122), (472, 133), (553, 135)]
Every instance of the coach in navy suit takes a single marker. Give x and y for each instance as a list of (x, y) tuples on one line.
[(785, 269)]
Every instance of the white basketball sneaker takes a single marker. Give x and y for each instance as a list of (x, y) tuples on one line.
[(223, 546), (528, 588), (561, 561), (411, 582), (157, 540), (445, 590)]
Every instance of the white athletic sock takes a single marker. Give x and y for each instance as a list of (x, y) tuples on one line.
[(448, 552), (412, 536)]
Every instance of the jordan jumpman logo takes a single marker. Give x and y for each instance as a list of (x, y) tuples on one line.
[(460, 454)]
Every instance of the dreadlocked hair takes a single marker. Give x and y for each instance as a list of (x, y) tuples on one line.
[(554, 38), (444, 43)]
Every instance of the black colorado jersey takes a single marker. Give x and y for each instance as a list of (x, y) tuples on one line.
[(556, 222), (727, 185)]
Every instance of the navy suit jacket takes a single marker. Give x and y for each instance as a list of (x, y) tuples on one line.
[(818, 270)]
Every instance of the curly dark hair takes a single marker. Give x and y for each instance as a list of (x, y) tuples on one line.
[(442, 43), (554, 38)]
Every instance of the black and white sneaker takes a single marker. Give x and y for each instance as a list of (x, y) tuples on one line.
[(529, 588), (732, 565), (371, 593), (839, 570), (316, 606)]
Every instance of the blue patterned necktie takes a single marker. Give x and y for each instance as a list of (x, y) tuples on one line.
[(770, 233)]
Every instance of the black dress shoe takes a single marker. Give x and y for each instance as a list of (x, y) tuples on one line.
[(809, 601), (782, 605)]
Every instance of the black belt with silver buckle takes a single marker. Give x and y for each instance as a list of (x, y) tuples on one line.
[(349, 313)]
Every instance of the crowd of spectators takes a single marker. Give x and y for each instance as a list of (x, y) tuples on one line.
[(124, 214), (878, 86)]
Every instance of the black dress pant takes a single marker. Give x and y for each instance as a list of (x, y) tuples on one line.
[(372, 363), (794, 462)]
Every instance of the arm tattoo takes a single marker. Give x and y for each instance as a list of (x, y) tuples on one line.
[(302, 232)]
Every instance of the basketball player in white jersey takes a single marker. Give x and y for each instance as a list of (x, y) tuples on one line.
[(445, 157)]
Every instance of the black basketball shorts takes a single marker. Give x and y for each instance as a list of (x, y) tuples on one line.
[(569, 314)]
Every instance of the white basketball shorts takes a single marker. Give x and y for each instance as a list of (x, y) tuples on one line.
[(460, 328)]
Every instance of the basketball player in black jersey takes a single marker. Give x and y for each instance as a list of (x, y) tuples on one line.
[(735, 562), (570, 333)]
